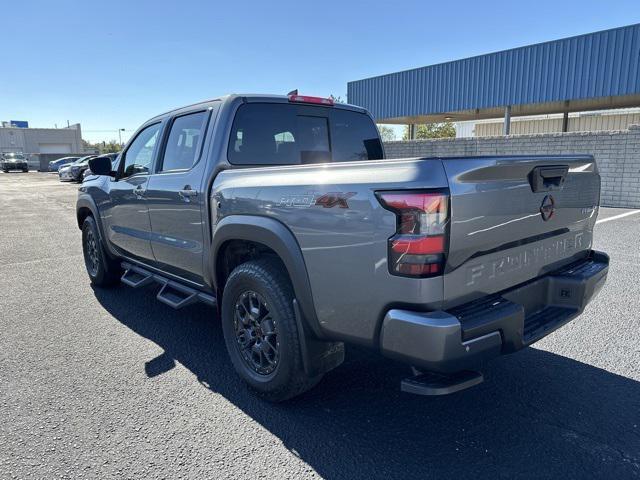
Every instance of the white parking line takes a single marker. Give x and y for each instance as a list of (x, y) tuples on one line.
[(615, 217)]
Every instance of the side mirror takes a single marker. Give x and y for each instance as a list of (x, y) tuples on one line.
[(101, 166)]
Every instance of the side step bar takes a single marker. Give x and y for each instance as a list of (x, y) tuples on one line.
[(171, 293), (435, 384), (136, 279)]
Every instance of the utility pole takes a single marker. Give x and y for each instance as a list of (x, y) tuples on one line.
[(120, 135), (565, 117), (507, 120)]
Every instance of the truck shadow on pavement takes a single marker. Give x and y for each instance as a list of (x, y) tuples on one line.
[(537, 414)]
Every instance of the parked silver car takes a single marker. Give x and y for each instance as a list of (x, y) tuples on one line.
[(55, 165), (73, 172)]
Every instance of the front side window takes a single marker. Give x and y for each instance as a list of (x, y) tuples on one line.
[(181, 152), (139, 155)]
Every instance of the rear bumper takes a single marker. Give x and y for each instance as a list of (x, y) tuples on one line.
[(461, 338)]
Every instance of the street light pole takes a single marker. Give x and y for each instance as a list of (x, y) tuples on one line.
[(120, 135)]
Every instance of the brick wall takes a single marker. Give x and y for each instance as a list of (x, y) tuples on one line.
[(617, 153)]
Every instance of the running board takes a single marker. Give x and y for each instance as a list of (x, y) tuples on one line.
[(171, 293), (435, 384), (136, 279), (176, 297)]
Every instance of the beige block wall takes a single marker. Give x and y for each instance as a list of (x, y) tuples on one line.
[(617, 154)]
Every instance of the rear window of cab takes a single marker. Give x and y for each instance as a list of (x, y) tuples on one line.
[(286, 134)]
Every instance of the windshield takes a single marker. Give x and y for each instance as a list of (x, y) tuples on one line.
[(12, 156)]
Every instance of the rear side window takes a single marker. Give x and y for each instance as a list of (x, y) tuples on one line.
[(183, 143), (284, 134)]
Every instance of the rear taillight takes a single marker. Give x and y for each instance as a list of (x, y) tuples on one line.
[(419, 245)]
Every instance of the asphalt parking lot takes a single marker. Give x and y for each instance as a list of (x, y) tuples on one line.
[(113, 384)]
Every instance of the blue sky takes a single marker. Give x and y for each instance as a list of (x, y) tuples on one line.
[(114, 64)]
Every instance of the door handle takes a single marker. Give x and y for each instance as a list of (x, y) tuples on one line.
[(187, 193), (544, 179)]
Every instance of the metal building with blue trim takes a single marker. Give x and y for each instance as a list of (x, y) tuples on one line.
[(589, 72)]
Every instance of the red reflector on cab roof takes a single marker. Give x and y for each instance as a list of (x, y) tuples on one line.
[(307, 99)]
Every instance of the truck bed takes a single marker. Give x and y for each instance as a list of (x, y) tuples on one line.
[(497, 236)]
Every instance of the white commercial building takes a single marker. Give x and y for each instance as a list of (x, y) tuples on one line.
[(34, 141), (529, 125)]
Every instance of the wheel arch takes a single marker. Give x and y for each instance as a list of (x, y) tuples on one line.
[(82, 213), (276, 238), (86, 206)]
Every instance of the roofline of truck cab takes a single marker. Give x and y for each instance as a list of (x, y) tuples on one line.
[(249, 98)]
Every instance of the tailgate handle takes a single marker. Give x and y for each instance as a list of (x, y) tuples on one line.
[(544, 179)]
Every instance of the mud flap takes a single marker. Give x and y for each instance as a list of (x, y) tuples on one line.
[(318, 356)]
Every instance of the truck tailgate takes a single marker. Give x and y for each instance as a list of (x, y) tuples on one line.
[(516, 218)]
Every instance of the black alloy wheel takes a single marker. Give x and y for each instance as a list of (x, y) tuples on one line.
[(91, 255), (256, 334)]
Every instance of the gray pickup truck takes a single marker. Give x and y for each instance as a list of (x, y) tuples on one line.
[(282, 212)]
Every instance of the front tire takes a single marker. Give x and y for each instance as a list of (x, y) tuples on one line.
[(103, 271), (261, 332)]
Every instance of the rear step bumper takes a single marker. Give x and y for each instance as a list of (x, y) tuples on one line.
[(461, 338)]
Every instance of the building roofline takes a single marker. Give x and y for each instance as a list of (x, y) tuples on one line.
[(497, 52)]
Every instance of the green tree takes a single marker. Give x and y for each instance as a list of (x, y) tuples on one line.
[(387, 134), (432, 130), (90, 147), (110, 147), (102, 147)]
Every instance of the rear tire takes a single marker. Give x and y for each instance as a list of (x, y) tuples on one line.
[(102, 270), (261, 332)]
